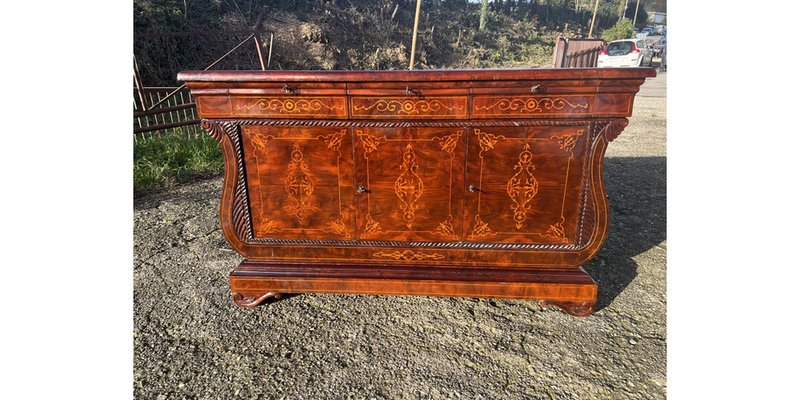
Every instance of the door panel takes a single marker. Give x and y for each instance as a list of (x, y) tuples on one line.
[(413, 180), (300, 182), (525, 184)]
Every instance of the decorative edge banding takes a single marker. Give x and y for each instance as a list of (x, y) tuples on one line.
[(408, 124)]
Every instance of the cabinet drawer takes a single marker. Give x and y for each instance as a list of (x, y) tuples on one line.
[(409, 107), (290, 106), (552, 106), (529, 106), (271, 100)]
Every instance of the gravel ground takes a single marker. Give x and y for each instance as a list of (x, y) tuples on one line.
[(192, 341)]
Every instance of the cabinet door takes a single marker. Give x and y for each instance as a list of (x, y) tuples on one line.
[(299, 181), (413, 183), (525, 184)]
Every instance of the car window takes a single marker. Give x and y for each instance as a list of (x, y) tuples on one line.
[(619, 48)]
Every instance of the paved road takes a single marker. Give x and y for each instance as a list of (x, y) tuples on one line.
[(191, 341)]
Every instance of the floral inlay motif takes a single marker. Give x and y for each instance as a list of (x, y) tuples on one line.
[(446, 229), (372, 227), (568, 141), (532, 104), (408, 255), (481, 229), (408, 186), (448, 143), (337, 227), (369, 142), (487, 140), (299, 185), (522, 187), (406, 106), (557, 231), (334, 140), (290, 106)]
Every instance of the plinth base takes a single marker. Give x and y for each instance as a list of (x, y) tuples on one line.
[(572, 290)]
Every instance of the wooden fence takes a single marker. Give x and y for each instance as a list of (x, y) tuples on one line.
[(576, 53), (164, 109), (178, 110)]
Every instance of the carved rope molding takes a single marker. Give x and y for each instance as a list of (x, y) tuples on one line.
[(213, 128), (242, 224), (430, 245), (608, 130)]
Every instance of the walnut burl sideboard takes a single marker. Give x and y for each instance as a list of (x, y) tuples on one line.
[(472, 183)]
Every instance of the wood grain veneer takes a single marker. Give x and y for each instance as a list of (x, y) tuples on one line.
[(484, 183)]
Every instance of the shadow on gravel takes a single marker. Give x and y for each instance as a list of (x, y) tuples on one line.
[(637, 196), (156, 196)]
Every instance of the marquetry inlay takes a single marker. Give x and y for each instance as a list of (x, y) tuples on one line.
[(531, 104), (523, 186), (408, 255), (299, 184), (487, 140), (406, 106), (290, 106), (446, 229), (481, 229), (409, 186)]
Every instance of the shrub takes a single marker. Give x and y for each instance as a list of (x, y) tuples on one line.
[(623, 29)]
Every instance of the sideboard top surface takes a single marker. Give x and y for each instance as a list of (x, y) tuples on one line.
[(417, 75)]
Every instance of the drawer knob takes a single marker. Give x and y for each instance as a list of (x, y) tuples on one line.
[(535, 88), (473, 188), (410, 91), (361, 189), (289, 89)]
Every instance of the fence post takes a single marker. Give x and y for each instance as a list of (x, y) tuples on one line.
[(259, 47), (138, 80)]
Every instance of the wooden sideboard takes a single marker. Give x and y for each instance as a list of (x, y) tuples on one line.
[(473, 183)]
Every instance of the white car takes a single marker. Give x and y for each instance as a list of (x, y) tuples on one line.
[(625, 53)]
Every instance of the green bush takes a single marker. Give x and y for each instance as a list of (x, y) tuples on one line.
[(623, 29)]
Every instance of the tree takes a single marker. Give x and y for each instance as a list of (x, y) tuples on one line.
[(484, 16), (621, 30)]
